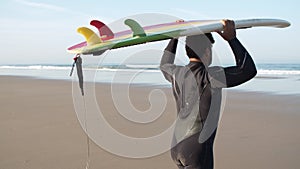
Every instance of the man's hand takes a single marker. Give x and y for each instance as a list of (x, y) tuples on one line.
[(228, 32)]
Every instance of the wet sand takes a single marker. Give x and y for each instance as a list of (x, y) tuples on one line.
[(39, 128)]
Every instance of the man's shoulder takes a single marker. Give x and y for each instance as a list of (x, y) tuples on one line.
[(215, 68), (173, 67)]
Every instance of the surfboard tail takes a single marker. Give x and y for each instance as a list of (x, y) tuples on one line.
[(90, 36)]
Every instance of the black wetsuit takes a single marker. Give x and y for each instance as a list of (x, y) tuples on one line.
[(194, 150)]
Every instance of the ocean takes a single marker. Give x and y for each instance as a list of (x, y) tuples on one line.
[(271, 78)]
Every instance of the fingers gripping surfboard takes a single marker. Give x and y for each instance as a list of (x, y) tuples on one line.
[(216, 25), (137, 34)]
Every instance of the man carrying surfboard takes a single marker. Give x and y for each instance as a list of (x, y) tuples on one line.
[(197, 88)]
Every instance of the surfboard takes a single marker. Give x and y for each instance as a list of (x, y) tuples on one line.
[(106, 39)]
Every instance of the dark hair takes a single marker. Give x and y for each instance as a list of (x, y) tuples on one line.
[(196, 45)]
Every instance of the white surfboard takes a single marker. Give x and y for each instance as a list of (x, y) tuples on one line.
[(216, 25), (137, 34)]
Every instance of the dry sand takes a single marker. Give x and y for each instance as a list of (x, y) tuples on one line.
[(39, 129)]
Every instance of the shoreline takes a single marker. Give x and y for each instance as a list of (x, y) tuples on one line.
[(39, 128), (233, 90)]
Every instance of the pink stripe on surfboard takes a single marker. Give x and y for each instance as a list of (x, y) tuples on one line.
[(79, 45), (128, 32), (118, 34)]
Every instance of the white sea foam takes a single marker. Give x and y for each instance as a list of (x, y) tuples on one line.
[(150, 74), (278, 72), (35, 67), (134, 68), (293, 70)]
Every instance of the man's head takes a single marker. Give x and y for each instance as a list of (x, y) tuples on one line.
[(199, 47)]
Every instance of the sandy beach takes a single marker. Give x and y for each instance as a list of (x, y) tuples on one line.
[(39, 129)]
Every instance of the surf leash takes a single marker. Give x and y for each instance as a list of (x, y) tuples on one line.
[(74, 63), (78, 62)]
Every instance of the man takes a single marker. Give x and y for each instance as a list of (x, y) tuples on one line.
[(197, 89)]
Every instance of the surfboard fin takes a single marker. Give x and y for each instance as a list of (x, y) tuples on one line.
[(90, 36), (104, 31), (136, 28)]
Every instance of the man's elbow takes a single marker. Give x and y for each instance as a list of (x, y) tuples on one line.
[(252, 73), (255, 73)]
